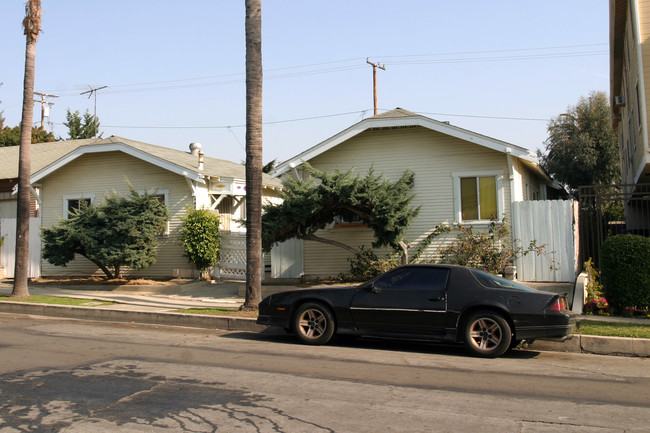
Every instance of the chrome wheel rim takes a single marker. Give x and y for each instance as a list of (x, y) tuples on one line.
[(485, 334), (312, 323)]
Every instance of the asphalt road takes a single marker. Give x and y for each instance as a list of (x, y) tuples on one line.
[(76, 376)]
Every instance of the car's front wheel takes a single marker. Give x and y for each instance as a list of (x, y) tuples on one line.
[(487, 334), (313, 323)]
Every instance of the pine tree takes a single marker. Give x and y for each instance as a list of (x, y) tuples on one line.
[(310, 205), (78, 127), (120, 231)]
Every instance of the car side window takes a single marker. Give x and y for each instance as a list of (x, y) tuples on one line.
[(414, 278)]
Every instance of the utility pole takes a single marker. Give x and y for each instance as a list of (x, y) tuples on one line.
[(45, 106), (374, 79)]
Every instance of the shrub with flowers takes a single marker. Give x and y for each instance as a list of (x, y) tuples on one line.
[(595, 302), (597, 306)]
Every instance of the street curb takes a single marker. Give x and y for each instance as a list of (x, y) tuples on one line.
[(578, 344), (145, 317), (597, 345)]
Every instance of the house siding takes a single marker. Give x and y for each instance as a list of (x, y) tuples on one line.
[(643, 146), (432, 156), (633, 118), (105, 173)]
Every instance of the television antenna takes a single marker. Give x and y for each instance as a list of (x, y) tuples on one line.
[(93, 91)]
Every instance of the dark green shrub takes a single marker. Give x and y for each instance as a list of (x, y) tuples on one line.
[(625, 271), (199, 237)]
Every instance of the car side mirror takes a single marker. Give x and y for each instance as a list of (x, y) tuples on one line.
[(372, 289)]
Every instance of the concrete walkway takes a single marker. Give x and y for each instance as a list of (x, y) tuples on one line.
[(158, 305)]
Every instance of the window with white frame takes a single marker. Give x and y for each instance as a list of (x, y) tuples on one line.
[(72, 203), (478, 196)]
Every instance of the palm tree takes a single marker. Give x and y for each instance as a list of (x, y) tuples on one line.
[(32, 26), (253, 154)]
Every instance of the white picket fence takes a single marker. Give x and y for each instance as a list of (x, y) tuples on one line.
[(8, 250), (553, 223)]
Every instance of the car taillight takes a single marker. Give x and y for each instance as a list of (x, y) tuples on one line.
[(558, 305)]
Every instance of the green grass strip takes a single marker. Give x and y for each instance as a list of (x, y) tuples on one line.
[(56, 300), (613, 329), (219, 312)]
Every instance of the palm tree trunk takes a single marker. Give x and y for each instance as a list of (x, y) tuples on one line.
[(32, 25), (254, 78)]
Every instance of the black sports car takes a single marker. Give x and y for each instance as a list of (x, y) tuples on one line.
[(450, 303)]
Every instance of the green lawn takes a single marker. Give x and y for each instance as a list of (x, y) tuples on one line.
[(219, 312), (614, 329), (56, 300)]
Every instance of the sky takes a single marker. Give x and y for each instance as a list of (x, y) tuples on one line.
[(174, 71)]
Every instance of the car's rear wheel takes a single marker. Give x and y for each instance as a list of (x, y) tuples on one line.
[(487, 334), (313, 323)]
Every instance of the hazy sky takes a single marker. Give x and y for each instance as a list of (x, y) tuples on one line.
[(174, 70)]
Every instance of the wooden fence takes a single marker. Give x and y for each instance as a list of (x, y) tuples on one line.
[(553, 223)]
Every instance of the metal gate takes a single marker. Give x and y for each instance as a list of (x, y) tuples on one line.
[(609, 210), (551, 223)]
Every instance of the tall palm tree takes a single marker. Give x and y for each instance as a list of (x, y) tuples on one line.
[(32, 26), (253, 154)]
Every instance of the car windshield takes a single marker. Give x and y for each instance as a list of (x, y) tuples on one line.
[(489, 280)]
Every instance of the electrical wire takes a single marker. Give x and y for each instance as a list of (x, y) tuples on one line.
[(360, 113), (220, 80)]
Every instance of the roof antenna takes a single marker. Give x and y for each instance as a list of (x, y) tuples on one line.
[(93, 91)]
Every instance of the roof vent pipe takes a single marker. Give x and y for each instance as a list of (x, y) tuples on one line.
[(195, 148), (200, 160)]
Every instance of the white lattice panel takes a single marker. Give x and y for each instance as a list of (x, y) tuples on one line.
[(232, 262)]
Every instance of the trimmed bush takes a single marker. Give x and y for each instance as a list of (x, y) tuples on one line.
[(625, 271), (199, 237)]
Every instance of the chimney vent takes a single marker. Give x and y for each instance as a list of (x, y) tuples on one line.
[(195, 148), (200, 160)]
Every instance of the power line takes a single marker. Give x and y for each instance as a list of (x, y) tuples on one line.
[(217, 80), (301, 119)]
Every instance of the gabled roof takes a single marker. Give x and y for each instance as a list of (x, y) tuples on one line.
[(49, 157), (403, 118)]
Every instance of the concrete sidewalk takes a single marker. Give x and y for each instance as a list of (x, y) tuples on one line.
[(158, 305), (149, 298)]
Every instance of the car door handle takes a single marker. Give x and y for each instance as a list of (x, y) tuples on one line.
[(439, 298)]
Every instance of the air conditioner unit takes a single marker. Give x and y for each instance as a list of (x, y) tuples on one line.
[(619, 101)]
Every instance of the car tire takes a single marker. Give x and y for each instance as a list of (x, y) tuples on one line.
[(487, 334), (313, 323)]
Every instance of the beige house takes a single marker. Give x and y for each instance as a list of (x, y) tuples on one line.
[(460, 176), (630, 58), (65, 173)]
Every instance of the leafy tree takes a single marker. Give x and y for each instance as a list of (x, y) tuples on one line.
[(11, 136), (78, 127), (309, 206), (32, 27), (199, 237), (121, 231), (254, 81), (582, 148)]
